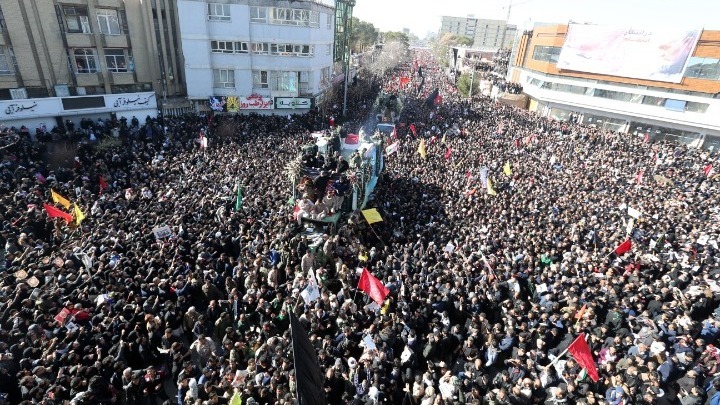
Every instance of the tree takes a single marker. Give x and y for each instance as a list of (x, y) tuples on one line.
[(441, 45), (362, 36), (463, 84), (395, 36)]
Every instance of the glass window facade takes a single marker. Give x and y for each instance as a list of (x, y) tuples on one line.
[(703, 68), (546, 53)]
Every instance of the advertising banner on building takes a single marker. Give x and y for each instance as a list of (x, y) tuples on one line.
[(293, 102), (633, 52), (233, 104)]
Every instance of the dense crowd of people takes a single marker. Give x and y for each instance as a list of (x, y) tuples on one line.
[(489, 283)]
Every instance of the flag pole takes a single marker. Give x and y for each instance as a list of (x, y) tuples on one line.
[(292, 344)]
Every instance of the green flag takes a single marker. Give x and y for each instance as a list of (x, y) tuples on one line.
[(238, 202)]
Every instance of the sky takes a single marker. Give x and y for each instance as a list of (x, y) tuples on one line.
[(423, 16)]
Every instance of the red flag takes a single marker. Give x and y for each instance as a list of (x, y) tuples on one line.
[(639, 176), (447, 154), (580, 350), (56, 213), (709, 171), (372, 287), (623, 248), (404, 81), (647, 138), (413, 129), (352, 139), (103, 183), (438, 100)]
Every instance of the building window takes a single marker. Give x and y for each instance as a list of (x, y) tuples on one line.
[(260, 79), (546, 53), (228, 47), (259, 48), (291, 50), (115, 60), (703, 68), (6, 61), (329, 21), (258, 15), (328, 49), (694, 106), (325, 75), (76, 19), (85, 60), (218, 12), (109, 22), (291, 16), (224, 78), (304, 80), (285, 81)]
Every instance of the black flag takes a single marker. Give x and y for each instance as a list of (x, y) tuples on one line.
[(307, 370), (430, 102), (420, 71)]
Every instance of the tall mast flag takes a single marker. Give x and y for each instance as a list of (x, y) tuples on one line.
[(373, 287), (307, 370)]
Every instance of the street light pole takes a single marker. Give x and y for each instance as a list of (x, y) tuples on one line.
[(472, 78), (347, 73)]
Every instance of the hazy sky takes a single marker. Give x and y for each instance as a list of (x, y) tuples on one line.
[(423, 16)]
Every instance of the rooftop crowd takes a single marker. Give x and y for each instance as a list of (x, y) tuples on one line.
[(487, 291)]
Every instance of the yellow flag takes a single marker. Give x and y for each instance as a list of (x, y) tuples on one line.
[(507, 169), (443, 140), (79, 216), (60, 199), (372, 215), (236, 399), (385, 307), (490, 188), (421, 148)]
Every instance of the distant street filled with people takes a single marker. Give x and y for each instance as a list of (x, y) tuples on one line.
[(520, 260)]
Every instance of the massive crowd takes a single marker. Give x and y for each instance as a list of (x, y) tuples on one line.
[(487, 291)]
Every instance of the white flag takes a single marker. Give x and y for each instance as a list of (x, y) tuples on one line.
[(368, 343), (633, 212), (311, 292), (630, 226)]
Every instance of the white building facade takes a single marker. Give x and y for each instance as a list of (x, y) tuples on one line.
[(256, 55)]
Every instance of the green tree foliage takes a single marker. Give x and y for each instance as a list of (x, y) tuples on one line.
[(463, 84), (363, 35), (395, 36)]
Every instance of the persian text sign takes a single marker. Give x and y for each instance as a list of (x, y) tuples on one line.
[(234, 104), (658, 55)]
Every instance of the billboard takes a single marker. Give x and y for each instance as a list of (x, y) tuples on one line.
[(658, 55), (234, 104)]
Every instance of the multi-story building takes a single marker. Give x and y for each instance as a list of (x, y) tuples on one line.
[(486, 34), (664, 83), (71, 58), (259, 56)]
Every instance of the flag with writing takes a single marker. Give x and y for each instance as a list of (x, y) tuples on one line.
[(311, 292), (307, 369), (79, 215), (580, 350), (392, 148), (56, 213), (421, 148), (484, 176), (490, 189), (373, 287), (623, 247), (60, 199)]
